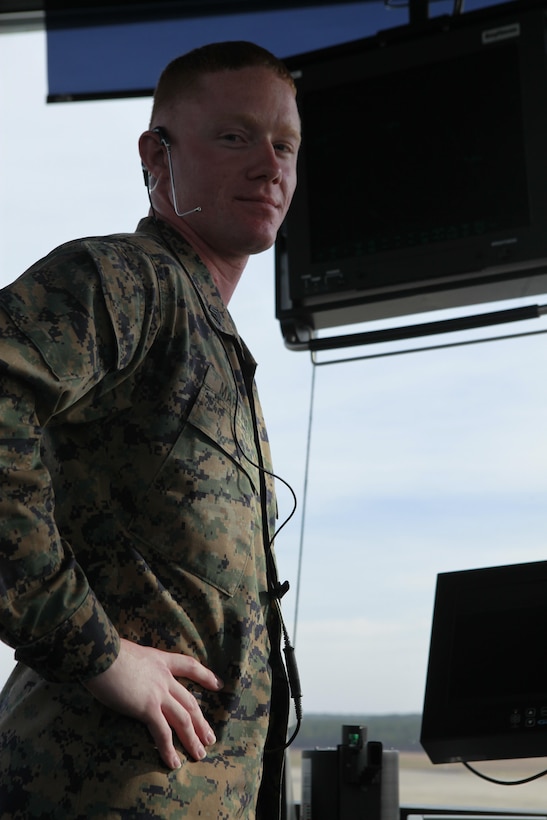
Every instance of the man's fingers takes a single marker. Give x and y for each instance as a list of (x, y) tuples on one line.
[(184, 666), (190, 727), (162, 736), (185, 717)]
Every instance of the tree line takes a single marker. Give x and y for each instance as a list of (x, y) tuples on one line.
[(395, 731)]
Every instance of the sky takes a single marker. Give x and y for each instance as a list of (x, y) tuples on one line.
[(404, 466)]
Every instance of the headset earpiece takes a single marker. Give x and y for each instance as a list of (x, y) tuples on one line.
[(162, 133), (164, 139)]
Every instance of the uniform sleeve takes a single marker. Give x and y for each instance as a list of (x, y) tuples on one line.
[(59, 337)]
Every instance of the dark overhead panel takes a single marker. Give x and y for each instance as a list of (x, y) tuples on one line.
[(186, 7), (20, 6), (113, 50), (86, 12)]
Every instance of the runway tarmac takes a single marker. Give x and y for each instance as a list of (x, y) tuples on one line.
[(424, 784)]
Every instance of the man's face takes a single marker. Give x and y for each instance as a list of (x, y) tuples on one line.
[(234, 150)]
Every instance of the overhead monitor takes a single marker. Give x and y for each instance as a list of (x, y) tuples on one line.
[(422, 173)]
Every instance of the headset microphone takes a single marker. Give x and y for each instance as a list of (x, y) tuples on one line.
[(191, 211), (164, 139)]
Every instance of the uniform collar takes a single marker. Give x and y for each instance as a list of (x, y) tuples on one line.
[(198, 272)]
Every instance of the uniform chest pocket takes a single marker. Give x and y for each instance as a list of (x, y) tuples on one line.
[(202, 508)]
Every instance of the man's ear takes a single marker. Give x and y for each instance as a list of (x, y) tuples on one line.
[(152, 155)]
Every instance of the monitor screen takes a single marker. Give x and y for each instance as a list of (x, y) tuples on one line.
[(486, 688), (444, 181)]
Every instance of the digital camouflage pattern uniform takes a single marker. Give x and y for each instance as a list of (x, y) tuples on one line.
[(130, 506)]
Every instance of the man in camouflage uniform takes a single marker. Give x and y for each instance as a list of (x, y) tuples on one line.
[(136, 498)]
